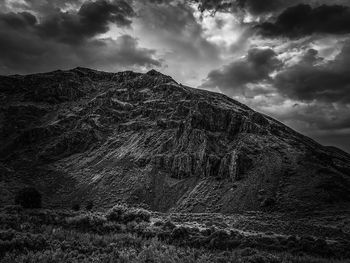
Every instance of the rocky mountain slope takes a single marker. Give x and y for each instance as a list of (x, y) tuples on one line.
[(144, 139)]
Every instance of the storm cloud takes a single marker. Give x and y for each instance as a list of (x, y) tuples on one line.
[(32, 42), (254, 68), (309, 80), (252, 6), (303, 20), (92, 18)]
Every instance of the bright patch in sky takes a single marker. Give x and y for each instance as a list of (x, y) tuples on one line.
[(222, 29)]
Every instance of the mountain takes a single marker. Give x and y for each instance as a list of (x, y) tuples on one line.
[(82, 134)]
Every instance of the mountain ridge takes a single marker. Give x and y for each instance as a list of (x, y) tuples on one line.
[(145, 139)]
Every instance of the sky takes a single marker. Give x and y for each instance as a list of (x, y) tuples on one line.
[(289, 59)]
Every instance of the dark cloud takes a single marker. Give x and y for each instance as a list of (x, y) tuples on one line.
[(105, 54), (219, 5), (310, 79), (18, 20), (31, 42), (256, 67), (254, 7), (320, 116), (328, 81), (303, 20), (92, 18), (260, 7)]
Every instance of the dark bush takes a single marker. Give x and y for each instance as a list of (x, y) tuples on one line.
[(159, 223), (86, 222), (28, 198), (206, 232), (10, 240), (13, 209), (137, 214), (123, 214), (89, 205), (169, 225), (76, 207), (116, 213), (180, 232), (321, 247), (219, 239), (221, 234), (267, 202)]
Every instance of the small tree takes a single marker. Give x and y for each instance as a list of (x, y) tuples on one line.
[(89, 205), (28, 197)]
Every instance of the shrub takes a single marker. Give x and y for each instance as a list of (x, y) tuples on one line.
[(220, 239), (89, 205), (123, 214), (169, 225), (137, 214), (86, 222), (76, 207), (220, 234), (116, 213), (13, 209), (267, 202), (11, 240), (28, 198), (180, 232), (158, 223)]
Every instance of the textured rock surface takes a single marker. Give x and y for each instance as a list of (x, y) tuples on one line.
[(82, 135)]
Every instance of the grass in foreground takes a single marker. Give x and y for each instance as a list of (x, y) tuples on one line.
[(131, 235)]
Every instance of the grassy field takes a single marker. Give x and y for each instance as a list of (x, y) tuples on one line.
[(125, 234)]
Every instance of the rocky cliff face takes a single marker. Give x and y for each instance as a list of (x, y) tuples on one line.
[(82, 135)]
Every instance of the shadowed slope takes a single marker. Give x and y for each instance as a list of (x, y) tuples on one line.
[(143, 138)]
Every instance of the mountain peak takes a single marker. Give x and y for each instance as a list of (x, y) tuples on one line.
[(154, 72)]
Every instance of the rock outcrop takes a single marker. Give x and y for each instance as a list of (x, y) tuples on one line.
[(145, 139)]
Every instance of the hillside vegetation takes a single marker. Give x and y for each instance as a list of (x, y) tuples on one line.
[(125, 234)]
